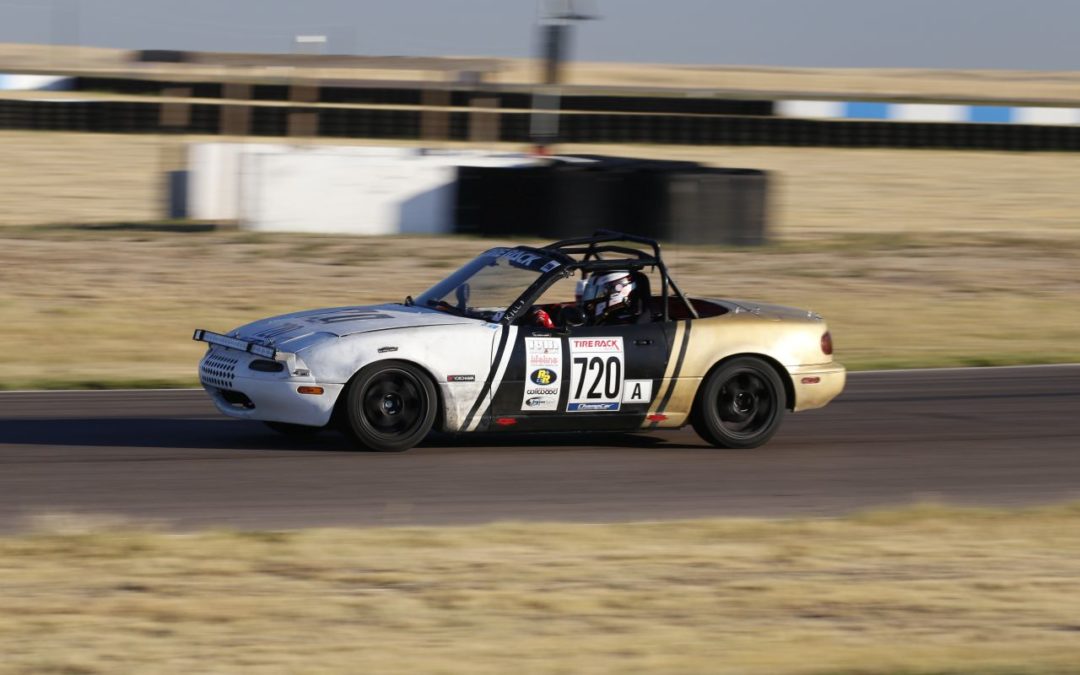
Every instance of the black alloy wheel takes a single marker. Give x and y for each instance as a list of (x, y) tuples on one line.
[(390, 406), (741, 404)]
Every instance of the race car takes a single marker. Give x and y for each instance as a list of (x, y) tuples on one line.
[(566, 337)]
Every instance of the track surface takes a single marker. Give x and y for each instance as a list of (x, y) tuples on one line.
[(999, 436)]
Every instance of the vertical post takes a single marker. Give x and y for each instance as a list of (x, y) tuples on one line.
[(303, 123), (555, 38), (236, 119), (175, 116), (435, 119), (483, 121), (544, 124)]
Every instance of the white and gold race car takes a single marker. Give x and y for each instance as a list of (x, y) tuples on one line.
[(504, 344)]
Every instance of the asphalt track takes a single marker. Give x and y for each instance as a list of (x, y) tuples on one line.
[(995, 436)]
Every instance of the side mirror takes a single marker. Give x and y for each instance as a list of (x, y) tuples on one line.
[(572, 316), (462, 294)]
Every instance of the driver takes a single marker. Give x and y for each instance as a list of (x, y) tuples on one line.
[(607, 298)]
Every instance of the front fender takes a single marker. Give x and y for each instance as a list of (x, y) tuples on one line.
[(458, 358)]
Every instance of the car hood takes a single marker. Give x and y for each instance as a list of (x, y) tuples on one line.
[(291, 332)]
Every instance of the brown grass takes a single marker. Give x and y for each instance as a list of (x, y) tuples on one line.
[(117, 306), (917, 258), (920, 591), (88, 178)]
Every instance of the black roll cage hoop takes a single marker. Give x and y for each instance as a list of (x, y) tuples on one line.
[(591, 249)]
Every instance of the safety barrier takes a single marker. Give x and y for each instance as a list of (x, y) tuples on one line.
[(514, 126), (673, 201)]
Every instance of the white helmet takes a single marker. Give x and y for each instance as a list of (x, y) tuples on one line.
[(607, 293)]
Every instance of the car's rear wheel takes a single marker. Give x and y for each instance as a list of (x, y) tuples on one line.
[(740, 405), (390, 407), (293, 430)]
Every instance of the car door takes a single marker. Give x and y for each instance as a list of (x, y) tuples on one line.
[(584, 378)]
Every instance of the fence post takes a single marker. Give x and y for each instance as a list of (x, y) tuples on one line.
[(236, 119)]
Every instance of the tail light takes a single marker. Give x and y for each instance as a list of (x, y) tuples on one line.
[(826, 343)]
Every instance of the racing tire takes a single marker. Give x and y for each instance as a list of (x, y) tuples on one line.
[(389, 407), (293, 430), (740, 405)]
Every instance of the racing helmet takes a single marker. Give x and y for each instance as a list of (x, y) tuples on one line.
[(606, 294)]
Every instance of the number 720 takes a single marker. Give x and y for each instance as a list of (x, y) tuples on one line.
[(608, 371)]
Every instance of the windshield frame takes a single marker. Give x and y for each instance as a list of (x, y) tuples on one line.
[(549, 265)]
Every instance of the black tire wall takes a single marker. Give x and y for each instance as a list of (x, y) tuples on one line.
[(672, 201)]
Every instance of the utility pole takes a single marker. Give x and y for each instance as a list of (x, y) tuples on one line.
[(557, 20)]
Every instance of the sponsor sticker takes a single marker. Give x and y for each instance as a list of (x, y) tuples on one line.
[(543, 370), (592, 407), (519, 258), (637, 391), (461, 378), (597, 368), (543, 376)]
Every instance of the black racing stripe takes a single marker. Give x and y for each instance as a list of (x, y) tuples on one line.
[(675, 373), (491, 377)]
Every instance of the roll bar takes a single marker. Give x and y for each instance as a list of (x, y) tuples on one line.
[(592, 248)]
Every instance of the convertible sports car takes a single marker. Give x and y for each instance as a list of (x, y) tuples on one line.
[(490, 349)]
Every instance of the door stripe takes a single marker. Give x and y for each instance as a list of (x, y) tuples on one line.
[(502, 356), (674, 377)]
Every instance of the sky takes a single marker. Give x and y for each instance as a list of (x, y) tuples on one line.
[(1013, 34)]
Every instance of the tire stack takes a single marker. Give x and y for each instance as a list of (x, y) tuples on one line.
[(679, 202)]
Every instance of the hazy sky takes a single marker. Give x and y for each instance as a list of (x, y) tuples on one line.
[(1035, 34)]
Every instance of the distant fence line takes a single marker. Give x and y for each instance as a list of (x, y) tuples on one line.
[(430, 114)]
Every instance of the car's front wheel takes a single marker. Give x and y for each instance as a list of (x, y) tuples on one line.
[(390, 407), (740, 405)]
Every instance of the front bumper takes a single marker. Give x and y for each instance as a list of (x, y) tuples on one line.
[(816, 385), (240, 392)]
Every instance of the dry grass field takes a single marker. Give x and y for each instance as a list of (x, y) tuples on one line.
[(915, 592), (918, 258), (116, 307), (92, 178)]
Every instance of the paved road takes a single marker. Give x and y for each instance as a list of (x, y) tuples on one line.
[(1001, 436)]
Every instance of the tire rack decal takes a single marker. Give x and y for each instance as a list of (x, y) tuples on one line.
[(494, 379), (674, 366)]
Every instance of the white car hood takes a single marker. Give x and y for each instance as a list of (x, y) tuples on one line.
[(290, 332)]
